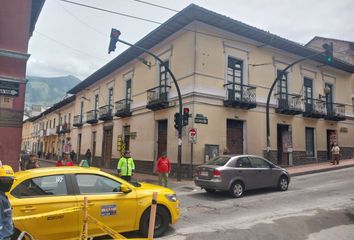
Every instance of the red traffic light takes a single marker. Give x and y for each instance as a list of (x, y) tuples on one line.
[(185, 110)]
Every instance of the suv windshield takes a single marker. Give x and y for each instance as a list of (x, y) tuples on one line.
[(219, 161)]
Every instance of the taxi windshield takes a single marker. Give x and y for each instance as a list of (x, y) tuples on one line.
[(218, 161)]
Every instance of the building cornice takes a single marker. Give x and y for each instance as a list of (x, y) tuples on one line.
[(14, 54), (12, 79)]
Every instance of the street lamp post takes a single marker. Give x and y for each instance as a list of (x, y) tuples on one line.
[(329, 59), (179, 129)]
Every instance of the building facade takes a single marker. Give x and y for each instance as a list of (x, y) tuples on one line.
[(343, 50), (17, 21), (224, 70)]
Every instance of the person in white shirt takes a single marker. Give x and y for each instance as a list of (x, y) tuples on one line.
[(335, 153)]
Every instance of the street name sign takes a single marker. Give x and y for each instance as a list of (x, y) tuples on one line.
[(9, 88)]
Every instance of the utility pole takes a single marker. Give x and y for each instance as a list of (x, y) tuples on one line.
[(329, 58), (115, 38)]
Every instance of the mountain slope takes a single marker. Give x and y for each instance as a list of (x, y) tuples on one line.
[(47, 91)]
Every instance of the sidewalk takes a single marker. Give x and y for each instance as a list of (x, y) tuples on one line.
[(188, 185)]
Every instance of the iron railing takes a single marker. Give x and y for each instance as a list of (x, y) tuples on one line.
[(288, 103), (92, 116), (157, 97), (241, 95), (122, 108), (105, 112)]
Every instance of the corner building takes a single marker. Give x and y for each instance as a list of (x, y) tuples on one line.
[(224, 69)]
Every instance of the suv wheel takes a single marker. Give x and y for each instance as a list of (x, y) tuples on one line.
[(236, 189)]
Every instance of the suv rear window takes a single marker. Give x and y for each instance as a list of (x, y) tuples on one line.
[(218, 161)]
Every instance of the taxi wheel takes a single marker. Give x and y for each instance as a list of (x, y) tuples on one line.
[(17, 234), (162, 221)]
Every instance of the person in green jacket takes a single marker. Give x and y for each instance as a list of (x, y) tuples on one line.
[(126, 166)]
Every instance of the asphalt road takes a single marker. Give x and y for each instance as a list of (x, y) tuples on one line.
[(316, 207)]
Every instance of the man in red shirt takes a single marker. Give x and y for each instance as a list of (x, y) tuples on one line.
[(163, 168)]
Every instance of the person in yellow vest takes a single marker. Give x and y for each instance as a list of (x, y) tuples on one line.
[(126, 166)]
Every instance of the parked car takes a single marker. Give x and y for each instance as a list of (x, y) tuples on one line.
[(237, 173), (114, 202)]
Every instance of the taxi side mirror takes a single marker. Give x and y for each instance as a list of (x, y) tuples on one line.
[(125, 189)]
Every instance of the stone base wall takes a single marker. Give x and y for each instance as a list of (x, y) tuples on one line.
[(299, 157)]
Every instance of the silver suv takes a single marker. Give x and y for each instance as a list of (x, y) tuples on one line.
[(237, 173)]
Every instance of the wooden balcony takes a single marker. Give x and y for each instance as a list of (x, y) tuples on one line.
[(92, 117), (77, 122), (157, 97), (122, 108), (240, 96), (289, 104), (314, 108), (335, 111), (105, 113)]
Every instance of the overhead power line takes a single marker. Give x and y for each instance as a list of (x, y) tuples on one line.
[(60, 43), (156, 5), (113, 12), (82, 22)]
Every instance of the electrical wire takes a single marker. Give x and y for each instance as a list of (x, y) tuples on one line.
[(156, 5), (113, 12), (60, 43), (82, 22)]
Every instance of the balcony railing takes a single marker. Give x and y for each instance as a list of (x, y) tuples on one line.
[(92, 117), (77, 122), (106, 113), (335, 111), (240, 95), (63, 128), (51, 131), (289, 104), (122, 108), (314, 108), (157, 97)]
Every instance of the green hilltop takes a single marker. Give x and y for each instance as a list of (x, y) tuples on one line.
[(46, 91)]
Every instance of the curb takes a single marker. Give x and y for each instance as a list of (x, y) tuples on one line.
[(321, 170)]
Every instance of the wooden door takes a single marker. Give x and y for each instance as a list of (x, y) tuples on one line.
[(234, 136), (161, 137), (107, 148), (283, 144)]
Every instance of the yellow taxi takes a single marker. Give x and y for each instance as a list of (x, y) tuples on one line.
[(116, 203)]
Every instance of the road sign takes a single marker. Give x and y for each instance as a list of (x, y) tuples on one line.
[(9, 88), (192, 134)]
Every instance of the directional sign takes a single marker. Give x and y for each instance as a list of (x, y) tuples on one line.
[(9, 88), (8, 92)]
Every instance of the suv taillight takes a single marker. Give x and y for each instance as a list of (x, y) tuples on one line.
[(217, 173)]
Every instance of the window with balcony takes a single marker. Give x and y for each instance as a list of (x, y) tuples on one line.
[(238, 94), (157, 97), (282, 88), (308, 94)]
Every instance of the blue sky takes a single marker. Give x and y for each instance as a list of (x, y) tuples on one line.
[(73, 40)]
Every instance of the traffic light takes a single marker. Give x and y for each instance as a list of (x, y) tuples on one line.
[(177, 120), (114, 39), (185, 116), (328, 51)]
